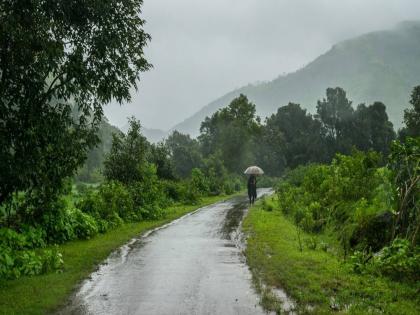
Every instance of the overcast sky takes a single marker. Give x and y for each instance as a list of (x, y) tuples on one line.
[(201, 49)]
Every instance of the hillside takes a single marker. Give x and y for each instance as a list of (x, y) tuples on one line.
[(378, 66)]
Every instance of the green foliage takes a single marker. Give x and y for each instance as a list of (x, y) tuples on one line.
[(17, 263), (412, 115), (58, 224), (53, 89), (229, 133), (216, 173), (292, 137), (84, 226), (352, 196), (371, 129), (312, 277), (289, 138), (160, 156), (405, 164), (335, 114), (91, 170), (148, 196), (11, 239), (111, 202), (199, 182), (52, 260), (400, 261), (267, 205), (184, 152), (128, 155)]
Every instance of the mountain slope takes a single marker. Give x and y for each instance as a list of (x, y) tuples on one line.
[(378, 66)]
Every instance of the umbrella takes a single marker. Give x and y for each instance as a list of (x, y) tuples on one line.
[(254, 170)]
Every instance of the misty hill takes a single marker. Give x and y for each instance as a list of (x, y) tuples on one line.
[(378, 66)]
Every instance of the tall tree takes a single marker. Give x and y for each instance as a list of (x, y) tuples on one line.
[(161, 157), (56, 56), (335, 113), (185, 153), (230, 131), (412, 115), (372, 128), (289, 138), (128, 156)]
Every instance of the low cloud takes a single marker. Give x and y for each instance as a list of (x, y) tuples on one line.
[(203, 49)]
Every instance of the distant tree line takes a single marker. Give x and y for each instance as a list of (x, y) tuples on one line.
[(290, 137)]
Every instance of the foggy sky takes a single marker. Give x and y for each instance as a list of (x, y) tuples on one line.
[(202, 49)]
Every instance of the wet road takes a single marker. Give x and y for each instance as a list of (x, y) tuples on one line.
[(193, 265)]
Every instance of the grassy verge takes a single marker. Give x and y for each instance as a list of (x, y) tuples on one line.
[(45, 293), (318, 281)]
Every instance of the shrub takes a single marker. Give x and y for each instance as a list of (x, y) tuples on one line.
[(35, 236), (52, 260), (29, 237), (84, 226), (11, 239), (111, 202), (58, 225), (352, 195), (14, 264), (148, 195), (115, 198), (173, 190), (199, 182), (399, 260), (28, 263)]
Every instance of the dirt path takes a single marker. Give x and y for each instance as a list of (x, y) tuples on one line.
[(192, 266)]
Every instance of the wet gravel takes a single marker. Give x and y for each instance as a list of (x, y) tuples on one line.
[(193, 265)]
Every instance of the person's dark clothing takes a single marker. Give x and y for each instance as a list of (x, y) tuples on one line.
[(252, 189)]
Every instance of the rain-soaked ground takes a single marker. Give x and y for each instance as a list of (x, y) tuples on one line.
[(193, 265)]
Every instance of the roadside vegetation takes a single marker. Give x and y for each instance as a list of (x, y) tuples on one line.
[(81, 258), (344, 237), (314, 274)]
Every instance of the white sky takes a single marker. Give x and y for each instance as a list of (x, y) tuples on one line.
[(201, 49)]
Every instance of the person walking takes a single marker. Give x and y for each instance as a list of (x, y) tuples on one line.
[(252, 189)]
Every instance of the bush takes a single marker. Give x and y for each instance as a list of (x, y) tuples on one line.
[(59, 224), (148, 196), (352, 196), (11, 239), (52, 260), (84, 226), (14, 264), (199, 182), (115, 199), (173, 190), (400, 260), (111, 202), (35, 236)]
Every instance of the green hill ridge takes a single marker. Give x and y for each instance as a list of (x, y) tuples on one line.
[(378, 66)]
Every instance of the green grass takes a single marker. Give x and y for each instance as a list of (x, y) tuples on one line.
[(45, 293), (315, 277)]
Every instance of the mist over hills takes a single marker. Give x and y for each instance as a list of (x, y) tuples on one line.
[(379, 66)]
